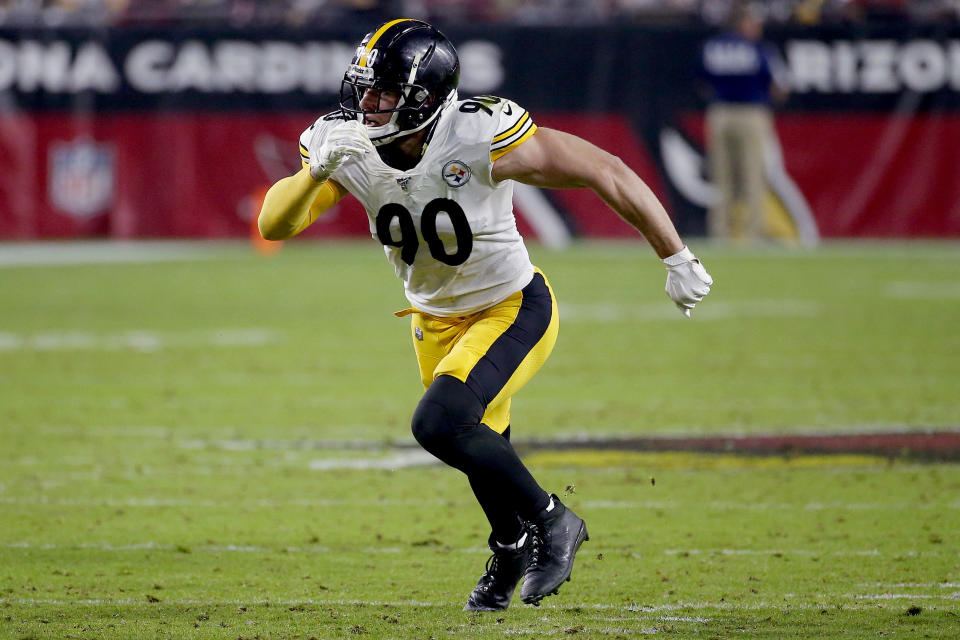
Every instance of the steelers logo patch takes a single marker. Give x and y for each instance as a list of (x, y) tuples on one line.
[(456, 173)]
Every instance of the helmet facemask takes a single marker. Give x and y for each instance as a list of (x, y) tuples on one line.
[(415, 108), (412, 60)]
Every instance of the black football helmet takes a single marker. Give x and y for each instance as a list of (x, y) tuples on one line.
[(408, 57)]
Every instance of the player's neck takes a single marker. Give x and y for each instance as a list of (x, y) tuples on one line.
[(404, 153)]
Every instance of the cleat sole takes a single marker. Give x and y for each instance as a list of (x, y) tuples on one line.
[(481, 609)]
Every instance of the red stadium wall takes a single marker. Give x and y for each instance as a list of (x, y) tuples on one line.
[(872, 175), (192, 175), (199, 175)]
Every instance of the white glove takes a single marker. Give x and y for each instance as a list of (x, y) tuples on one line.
[(687, 281), (345, 142)]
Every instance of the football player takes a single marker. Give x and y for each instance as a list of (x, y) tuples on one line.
[(435, 175)]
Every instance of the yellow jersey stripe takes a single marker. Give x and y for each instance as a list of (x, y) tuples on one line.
[(376, 36), (506, 142), (512, 130), (499, 153)]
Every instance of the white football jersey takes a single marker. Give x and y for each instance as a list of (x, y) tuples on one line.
[(445, 225)]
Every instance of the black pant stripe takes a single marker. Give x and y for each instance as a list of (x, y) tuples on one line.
[(494, 369)]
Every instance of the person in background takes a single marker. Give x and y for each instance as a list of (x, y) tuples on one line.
[(743, 75)]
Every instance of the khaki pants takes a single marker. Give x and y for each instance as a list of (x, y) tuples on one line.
[(738, 136)]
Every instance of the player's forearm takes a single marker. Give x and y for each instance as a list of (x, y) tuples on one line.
[(291, 205), (558, 160), (636, 203)]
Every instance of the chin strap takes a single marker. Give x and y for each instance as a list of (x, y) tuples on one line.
[(387, 133)]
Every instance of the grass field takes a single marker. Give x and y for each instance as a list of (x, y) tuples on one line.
[(209, 444)]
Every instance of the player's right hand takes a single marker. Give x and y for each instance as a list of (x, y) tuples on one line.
[(345, 142)]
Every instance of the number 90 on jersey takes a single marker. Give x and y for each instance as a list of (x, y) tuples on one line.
[(396, 228)]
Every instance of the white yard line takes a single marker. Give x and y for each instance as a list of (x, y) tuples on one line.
[(612, 312), (224, 439), (923, 290), (807, 552), (313, 549), (652, 609), (158, 501), (398, 461), (911, 585), (417, 458), (726, 505), (141, 546), (832, 249), (297, 444), (50, 254), (901, 596), (799, 431), (136, 340)]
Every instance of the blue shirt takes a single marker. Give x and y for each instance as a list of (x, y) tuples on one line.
[(739, 70)]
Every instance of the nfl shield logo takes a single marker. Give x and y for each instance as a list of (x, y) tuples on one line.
[(82, 176), (418, 332)]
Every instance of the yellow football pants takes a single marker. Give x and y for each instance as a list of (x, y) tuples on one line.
[(495, 351)]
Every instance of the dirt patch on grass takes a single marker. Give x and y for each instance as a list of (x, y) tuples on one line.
[(932, 445)]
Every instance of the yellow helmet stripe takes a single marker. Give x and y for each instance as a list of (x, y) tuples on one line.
[(377, 35)]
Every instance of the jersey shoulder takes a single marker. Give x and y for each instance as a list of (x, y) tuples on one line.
[(320, 127), (498, 122)]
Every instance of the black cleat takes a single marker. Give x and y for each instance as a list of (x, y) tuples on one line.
[(555, 538), (504, 570)]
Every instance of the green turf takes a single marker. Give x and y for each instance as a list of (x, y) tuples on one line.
[(159, 476)]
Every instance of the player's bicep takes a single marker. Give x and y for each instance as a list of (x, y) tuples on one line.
[(554, 159)]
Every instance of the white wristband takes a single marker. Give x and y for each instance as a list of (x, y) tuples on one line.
[(684, 255)]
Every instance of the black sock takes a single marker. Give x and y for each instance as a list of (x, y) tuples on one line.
[(504, 521)]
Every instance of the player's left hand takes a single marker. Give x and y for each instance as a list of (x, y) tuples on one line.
[(687, 281), (345, 142)]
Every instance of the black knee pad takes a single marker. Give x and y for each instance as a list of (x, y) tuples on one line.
[(447, 408)]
